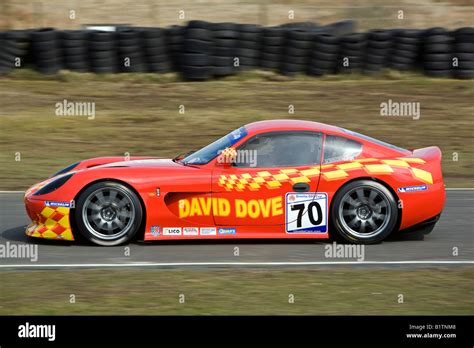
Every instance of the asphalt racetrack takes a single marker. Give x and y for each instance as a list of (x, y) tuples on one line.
[(454, 230)]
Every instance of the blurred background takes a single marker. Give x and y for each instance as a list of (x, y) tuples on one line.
[(20, 14)]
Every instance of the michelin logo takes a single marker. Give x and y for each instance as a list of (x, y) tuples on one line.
[(58, 204), (412, 188)]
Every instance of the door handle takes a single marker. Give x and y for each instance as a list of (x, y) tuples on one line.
[(301, 187)]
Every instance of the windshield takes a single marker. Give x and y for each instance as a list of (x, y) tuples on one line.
[(210, 151)]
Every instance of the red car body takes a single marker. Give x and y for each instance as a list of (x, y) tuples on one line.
[(222, 201)]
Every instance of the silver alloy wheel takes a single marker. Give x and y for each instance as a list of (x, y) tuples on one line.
[(108, 213), (364, 211)]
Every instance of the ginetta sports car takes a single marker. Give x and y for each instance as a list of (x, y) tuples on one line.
[(269, 179)]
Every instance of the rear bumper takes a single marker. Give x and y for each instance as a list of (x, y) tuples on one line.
[(424, 227)]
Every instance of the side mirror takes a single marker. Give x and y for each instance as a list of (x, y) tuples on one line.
[(226, 157)]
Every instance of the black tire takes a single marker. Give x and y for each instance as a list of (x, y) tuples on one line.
[(438, 73), (464, 47), (192, 45), (91, 231), (364, 212), (438, 48), (464, 74)]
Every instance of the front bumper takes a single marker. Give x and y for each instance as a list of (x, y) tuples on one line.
[(47, 222)]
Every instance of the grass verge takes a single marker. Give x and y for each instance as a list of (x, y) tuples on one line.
[(341, 291)]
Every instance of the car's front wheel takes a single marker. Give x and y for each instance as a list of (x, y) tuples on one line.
[(364, 212), (108, 213)]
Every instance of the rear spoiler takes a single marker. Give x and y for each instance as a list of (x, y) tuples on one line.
[(427, 160)]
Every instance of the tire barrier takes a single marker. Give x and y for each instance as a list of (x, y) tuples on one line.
[(130, 50), (325, 55), (74, 45), (437, 52), (377, 54), (202, 50), (273, 45), (14, 50), (406, 49), (249, 46), (298, 45), (46, 50), (352, 49), (103, 55), (225, 37), (463, 53), (155, 52), (196, 59), (174, 38)]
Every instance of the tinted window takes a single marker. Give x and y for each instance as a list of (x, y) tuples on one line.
[(340, 149), (280, 150)]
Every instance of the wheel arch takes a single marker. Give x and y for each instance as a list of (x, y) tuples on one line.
[(383, 183), (141, 232)]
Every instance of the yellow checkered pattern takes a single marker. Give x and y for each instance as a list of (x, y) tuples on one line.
[(328, 172), (52, 223)]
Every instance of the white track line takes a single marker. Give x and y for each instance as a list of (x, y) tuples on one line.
[(181, 264)]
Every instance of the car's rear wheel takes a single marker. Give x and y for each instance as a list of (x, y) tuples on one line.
[(364, 212), (108, 213)]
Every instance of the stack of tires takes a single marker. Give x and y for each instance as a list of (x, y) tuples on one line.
[(437, 52), (379, 45), (405, 49), (464, 52), (225, 37), (324, 55), (103, 52), (297, 51), (155, 50), (249, 46), (130, 50), (74, 47), (352, 51), (273, 45), (46, 50), (196, 59), (174, 37), (14, 49)]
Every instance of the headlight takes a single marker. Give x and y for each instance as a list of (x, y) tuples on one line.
[(65, 170), (53, 185)]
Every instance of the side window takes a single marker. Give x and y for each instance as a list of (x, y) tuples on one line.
[(280, 150), (340, 149)]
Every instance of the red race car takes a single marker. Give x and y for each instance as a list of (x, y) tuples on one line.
[(269, 179)]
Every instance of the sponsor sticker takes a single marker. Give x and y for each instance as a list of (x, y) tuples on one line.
[(155, 231), (208, 231), (190, 231), (306, 212), (172, 231), (57, 204), (227, 231), (412, 188)]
